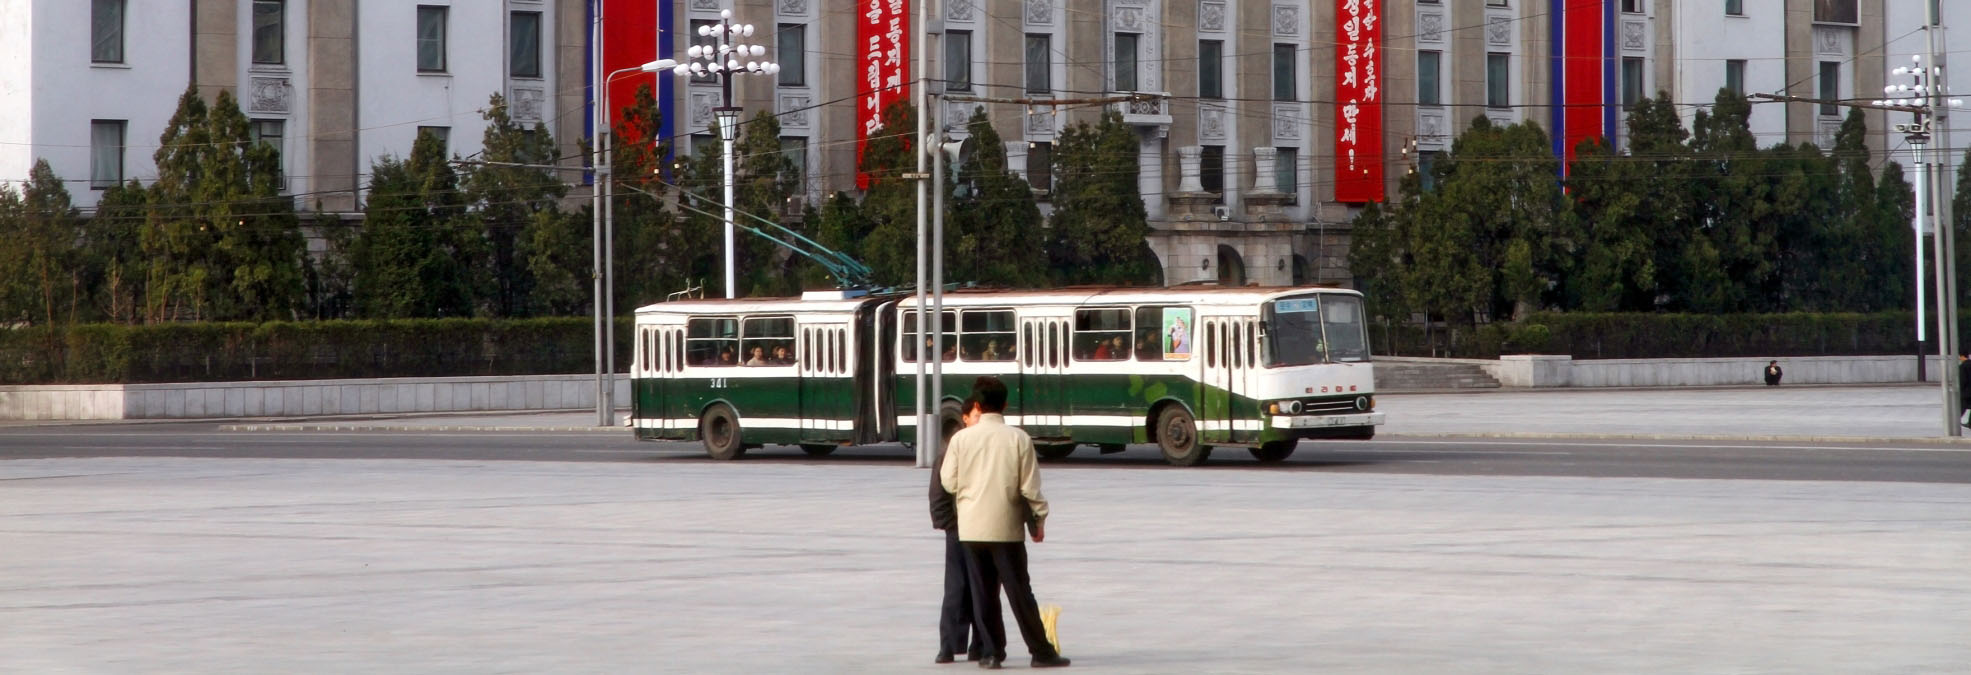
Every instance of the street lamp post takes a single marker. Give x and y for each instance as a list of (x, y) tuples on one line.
[(726, 60), (1924, 99)]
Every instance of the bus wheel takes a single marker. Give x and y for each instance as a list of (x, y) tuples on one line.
[(719, 428), (1273, 451), (1177, 434), (817, 449), (1054, 451)]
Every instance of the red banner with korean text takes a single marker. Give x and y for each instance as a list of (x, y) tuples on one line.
[(1358, 102), (883, 57)]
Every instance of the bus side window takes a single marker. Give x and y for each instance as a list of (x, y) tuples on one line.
[(1211, 345), (842, 351), (713, 342), (1148, 345)]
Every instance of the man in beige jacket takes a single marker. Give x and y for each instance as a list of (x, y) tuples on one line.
[(990, 470)]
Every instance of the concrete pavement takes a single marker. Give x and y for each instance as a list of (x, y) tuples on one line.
[(188, 565)]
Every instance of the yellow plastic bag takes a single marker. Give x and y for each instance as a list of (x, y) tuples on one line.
[(1050, 616)]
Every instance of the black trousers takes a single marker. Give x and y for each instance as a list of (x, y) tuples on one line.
[(955, 618), (1003, 564)]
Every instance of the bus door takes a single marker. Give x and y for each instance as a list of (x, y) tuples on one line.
[(883, 382), (1043, 376), (824, 385), (1242, 412), (1220, 377)]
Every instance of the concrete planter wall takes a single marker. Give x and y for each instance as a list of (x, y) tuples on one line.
[(299, 398)]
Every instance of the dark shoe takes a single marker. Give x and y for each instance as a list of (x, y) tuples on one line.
[(1056, 661), (944, 657), (974, 655), (989, 663)]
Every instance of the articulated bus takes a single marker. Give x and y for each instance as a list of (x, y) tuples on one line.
[(1188, 369)]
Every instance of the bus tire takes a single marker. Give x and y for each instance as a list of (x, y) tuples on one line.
[(817, 449), (1177, 435), (719, 429), (1274, 451), (1054, 451)]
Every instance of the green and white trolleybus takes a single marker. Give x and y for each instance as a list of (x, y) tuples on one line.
[(1188, 369)]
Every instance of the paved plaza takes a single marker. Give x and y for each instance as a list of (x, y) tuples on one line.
[(690, 566)]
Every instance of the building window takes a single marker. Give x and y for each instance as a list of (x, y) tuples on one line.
[(1735, 76), (444, 136), (791, 47), (1427, 81), (269, 32), (1211, 170), (1211, 68), (1040, 166), (1632, 6), (1834, 11), (958, 60), (105, 153), (1125, 61), (1498, 85), (106, 31), (1283, 73), (525, 59), (795, 149), (1040, 63), (270, 132), (430, 39), (1830, 87), (1735, 7), (1286, 173), (1632, 82), (708, 42)]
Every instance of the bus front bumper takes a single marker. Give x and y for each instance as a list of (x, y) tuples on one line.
[(1326, 421)]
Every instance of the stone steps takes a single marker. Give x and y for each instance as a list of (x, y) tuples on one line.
[(1411, 376)]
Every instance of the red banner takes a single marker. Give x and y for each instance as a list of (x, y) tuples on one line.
[(883, 54), (1583, 22), (1358, 102)]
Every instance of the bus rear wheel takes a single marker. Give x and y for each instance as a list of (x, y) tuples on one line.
[(1054, 451), (817, 449), (719, 429), (1177, 435), (1274, 451)]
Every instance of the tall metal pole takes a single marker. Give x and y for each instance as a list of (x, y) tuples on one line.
[(937, 267), (730, 135), (600, 101), (1916, 225), (1939, 102), (924, 458), (609, 274)]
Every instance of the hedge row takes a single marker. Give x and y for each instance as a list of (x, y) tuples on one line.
[(1643, 336), (205, 352)]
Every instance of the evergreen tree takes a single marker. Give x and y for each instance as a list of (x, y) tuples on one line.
[(888, 212), (413, 254), (117, 268), (41, 270), (1099, 225), (222, 241), (655, 254), (513, 193), (994, 223)]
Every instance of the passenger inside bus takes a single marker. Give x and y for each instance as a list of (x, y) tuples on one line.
[(1110, 349), (758, 357), (781, 357), (992, 352), (1146, 346), (727, 357)]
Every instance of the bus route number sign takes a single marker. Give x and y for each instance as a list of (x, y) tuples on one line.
[(1307, 305)]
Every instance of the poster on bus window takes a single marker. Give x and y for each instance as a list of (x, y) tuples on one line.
[(1176, 333)]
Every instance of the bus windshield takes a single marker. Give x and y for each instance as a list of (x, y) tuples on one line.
[(1317, 329)]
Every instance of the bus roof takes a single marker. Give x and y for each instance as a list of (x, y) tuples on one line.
[(1079, 295)]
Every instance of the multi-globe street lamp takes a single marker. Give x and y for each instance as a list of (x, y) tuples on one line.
[(726, 59), (1923, 97)]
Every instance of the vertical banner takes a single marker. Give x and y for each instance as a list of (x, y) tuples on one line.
[(1358, 102), (630, 38), (883, 57), (1584, 60)]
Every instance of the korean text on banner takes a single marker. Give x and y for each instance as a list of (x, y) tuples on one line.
[(883, 54), (1358, 102)]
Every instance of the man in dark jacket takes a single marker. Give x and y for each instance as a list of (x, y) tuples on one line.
[(955, 617), (1773, 373), (1963, 388)]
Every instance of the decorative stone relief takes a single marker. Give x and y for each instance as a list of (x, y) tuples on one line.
[(1633, 35), (1504, 118), (1129, 19), (1430, 127), (1828, 129), (1286, 20), (705, 4), (1287, 119), (1430, 28), (794, 110), (1040, 12), (526, 104), (794, 7), (1211, 122), (702, 103), (270, 94), (1827, 40), (1040, 122), (958, 10), (1211, 16), (957, 114), (1498, 30)]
